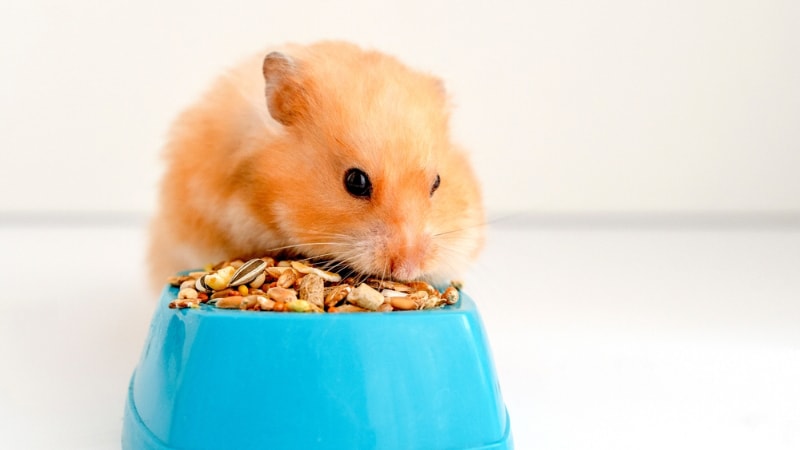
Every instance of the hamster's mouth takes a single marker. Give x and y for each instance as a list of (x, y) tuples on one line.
[(346, 270), (332, 265)]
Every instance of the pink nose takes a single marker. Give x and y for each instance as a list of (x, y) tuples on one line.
[(404, 269), (405, 262)]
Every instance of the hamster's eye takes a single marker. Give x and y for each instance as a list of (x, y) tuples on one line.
[(357, 183), (435, 184)]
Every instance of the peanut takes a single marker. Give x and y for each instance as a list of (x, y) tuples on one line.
[(287, 279), (259, 281), (187, 294), (265, 303), (337, 294), (311, 288), (365, 297), (280, 294)]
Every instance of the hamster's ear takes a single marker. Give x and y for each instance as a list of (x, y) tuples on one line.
[(286, 99)]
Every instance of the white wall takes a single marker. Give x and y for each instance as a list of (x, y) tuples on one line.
[(568, 106)]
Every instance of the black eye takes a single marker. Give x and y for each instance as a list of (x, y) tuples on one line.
[(357, 183), (435, 184)]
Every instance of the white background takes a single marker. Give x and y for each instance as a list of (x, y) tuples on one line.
[(572, 106), (642, 290)]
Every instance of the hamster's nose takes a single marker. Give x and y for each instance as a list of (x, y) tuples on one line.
[(404, 269), (406, 262)]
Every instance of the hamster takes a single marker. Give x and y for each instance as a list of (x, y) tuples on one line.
[(325, 151)]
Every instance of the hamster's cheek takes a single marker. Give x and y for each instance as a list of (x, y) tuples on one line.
[(284, 219)]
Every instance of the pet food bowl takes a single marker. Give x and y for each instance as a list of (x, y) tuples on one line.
[(221, 379)]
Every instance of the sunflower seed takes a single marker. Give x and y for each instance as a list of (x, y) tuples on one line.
[(201, 286), (248, 272)]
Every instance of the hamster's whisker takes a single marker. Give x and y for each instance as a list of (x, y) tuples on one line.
[(322, 256), (455, 239), (449, 254), (443, 233), (453, 236), (446, 270), (383, 272), (324, 233), (485, 223), (453, 251), (332, 265), (339, 261), (304, 245)]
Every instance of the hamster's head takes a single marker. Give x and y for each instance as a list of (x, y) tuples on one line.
[(364, 173)]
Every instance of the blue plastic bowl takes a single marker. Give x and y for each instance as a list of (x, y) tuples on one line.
[(219, 379)]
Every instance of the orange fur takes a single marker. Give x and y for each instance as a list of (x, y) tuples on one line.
[(258, 164)]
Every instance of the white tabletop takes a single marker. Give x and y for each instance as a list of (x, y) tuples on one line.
[(603, 338)]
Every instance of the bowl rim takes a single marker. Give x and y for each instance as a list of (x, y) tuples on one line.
[(170, 293)]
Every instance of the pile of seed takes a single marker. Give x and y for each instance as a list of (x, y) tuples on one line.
[(261, 284)]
